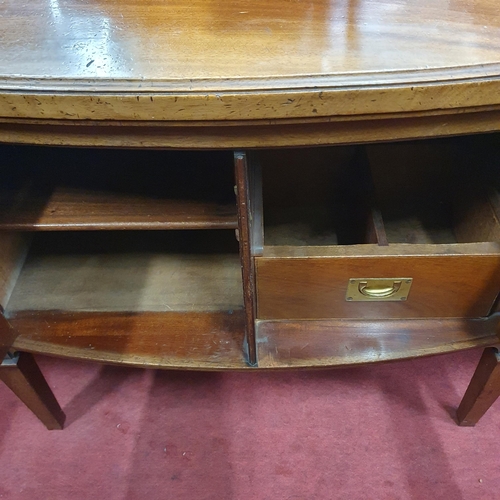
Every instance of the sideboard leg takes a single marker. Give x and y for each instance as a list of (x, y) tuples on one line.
[(21, 374), (483, 390)]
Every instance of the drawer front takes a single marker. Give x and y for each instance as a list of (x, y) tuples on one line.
[(315, 287)]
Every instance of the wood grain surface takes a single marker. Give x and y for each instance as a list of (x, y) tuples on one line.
[(66, 209), (192, 340), (169, 60), (296, 344), (213, 341), (315, 287)]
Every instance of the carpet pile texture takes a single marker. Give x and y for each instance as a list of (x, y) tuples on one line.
[(373, 432)]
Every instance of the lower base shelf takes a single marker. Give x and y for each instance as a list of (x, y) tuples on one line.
[(327, 343), (194, 341), (215, 340)]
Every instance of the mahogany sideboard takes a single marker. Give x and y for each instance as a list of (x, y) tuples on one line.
[(248, 185)]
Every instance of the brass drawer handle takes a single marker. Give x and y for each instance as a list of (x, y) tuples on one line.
[(378, 289), (379, 292)]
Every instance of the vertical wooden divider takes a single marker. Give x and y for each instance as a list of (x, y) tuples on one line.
[(249, 229)]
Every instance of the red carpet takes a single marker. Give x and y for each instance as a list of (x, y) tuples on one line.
[(378, 432)]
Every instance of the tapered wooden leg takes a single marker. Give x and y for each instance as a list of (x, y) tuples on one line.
[(21, 374), (483, 390)]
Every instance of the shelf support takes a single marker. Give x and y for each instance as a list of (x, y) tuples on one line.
[(20, 372), (483, 390)]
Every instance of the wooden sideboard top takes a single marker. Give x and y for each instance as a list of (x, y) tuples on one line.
[(207, 59), (202, 62)]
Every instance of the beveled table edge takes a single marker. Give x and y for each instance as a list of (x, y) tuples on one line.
[(314, 96)]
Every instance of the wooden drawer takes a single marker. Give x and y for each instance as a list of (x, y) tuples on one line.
[(456, 280), (409, 214)]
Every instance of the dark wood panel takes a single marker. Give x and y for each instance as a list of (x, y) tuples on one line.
[(296, 344), (204, 341), (79, 209), (315, 287), (245, 235)]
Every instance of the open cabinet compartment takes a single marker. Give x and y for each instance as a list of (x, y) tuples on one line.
[(168, 299), (94, 286), (104, 271), (427, 194), (451, 260), (318, 197), (88, 189)]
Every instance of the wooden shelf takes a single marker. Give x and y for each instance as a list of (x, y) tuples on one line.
[(214, 341), (205, 341), (153, 298), (80, 209), (93, 189), (336, 343)]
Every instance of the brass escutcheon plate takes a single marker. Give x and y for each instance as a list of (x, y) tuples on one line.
[(378, 289)]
